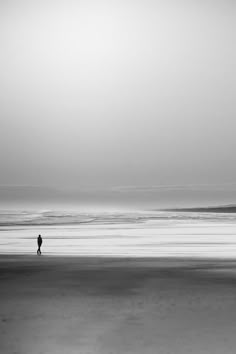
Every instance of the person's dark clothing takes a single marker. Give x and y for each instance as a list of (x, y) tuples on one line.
[(40, 241)]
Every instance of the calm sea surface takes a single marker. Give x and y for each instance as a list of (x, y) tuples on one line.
[(139, 233)]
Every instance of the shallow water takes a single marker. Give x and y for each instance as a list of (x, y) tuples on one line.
[(138, 233)]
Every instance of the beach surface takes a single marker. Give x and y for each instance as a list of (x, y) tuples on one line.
[(98, 305)]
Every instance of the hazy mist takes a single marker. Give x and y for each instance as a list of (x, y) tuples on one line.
[(117, 93)]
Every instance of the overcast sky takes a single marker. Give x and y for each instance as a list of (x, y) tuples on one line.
[(117, 92)]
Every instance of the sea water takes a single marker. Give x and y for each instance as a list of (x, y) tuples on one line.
[(138, 233)]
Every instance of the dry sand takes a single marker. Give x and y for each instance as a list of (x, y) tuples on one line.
[(96, 305)]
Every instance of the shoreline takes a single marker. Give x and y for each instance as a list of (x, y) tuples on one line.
[(158, 260)]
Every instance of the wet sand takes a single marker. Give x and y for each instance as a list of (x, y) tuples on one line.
[(113, 305)]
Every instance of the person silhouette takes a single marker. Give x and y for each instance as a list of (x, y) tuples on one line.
[(40, 241)]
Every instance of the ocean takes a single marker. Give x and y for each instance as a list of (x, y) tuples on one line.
[(139, 233)]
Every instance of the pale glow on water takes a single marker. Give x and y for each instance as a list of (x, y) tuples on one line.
[(151, 234)]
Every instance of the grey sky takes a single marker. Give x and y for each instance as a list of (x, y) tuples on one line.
[(114, 93)]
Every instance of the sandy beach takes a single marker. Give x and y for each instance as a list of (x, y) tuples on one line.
[(113, 305)]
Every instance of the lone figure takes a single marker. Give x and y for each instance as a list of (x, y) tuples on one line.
[(40, 241)]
